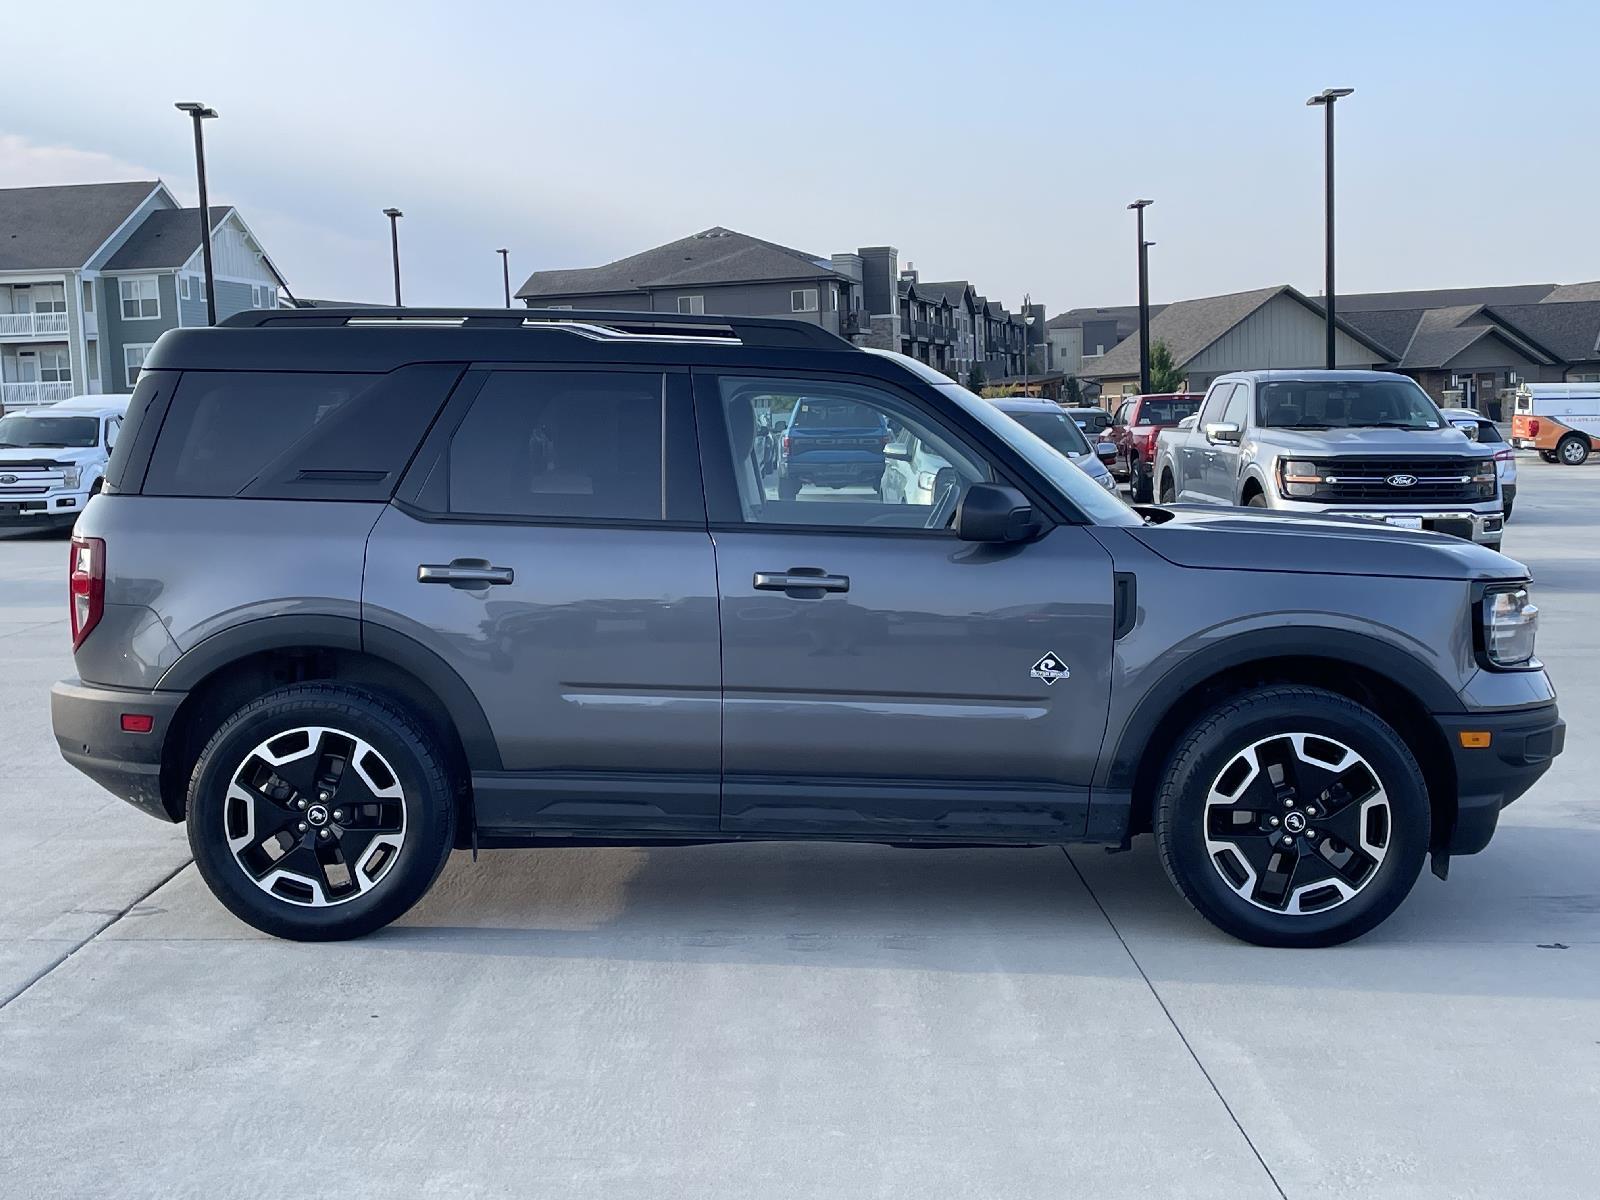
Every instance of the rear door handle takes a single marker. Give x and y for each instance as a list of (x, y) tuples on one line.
[(803, 583), (465, 573)]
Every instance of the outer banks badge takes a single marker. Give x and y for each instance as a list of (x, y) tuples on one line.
[(1050, 668)]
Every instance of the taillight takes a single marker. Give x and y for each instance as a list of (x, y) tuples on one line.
[(786, 443), (1533, 428), (86, 585)]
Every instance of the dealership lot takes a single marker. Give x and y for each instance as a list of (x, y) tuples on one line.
[(795, 1020)]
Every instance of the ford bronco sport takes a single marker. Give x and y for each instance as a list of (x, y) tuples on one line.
[(361, 589)]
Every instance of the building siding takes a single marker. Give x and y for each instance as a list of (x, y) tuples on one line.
[(1282, 333)]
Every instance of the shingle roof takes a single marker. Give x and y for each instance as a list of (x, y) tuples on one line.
[(954, 290), (1125, 315), (1568, 292), (1570, 329), (166, 238), (1391, 328), (60, 227), (1434, 348), (1519, 293), (715, 255)]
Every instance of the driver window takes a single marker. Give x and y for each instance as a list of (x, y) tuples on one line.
[(1234, 413), (834, 453), (1216, 403)]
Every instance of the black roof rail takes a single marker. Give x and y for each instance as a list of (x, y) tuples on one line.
[(600, 325)]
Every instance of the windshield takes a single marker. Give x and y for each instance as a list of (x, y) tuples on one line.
[(1085, 494), (26, 430), (1346, 404), (1055, 429), (1167, 412)]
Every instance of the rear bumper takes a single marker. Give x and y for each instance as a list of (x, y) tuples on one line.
[(1522, 745), (87, 721)]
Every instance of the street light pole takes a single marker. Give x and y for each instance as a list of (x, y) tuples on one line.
[(505, 271), (1326, 100), (1027, 323), (394, 215), (1138, 207), (201, 113)]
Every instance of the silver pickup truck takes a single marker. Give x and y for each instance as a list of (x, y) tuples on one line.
[(1339, 443)]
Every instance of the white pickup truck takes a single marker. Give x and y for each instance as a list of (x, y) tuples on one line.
[(53, 459)]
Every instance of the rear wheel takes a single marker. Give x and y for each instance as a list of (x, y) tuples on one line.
[(1548, 455), (788, 487), (1167, 494), (319, 812), (1292, 816), (1573, 450)]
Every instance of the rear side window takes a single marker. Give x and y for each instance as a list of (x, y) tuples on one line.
[(291, 435), (561, 444)]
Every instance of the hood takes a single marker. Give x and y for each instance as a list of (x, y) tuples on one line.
[(1243, 539), (51, 454), (1089, 464), (1314, 442)]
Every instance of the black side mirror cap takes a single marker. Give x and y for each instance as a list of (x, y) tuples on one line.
[(992, 512)]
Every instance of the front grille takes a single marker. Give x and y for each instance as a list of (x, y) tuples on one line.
[(1366, 480)]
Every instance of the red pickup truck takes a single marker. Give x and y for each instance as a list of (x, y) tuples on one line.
[(1137, 421)]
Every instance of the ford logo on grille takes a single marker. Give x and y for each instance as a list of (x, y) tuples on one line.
[(8, 478), (1401, 481)]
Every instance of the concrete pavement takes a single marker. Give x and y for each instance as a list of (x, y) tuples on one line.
[(795, 1020)]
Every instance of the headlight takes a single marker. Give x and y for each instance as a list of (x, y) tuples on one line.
[(1299, 478), (72, 476), (1510, 620), (1104, 480), (1484, 477)]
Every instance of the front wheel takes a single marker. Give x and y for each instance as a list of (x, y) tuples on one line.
[(1573, 450), (320, 811), (1548, 455), (1255, 500), (1292, 816)]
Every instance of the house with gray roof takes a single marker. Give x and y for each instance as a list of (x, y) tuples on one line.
[(860, 295), (92, 274)]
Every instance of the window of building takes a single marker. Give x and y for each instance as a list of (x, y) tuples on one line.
[(88, 297), (183, 287), (141, 298), (559, 444), (54, 365), (803, 300), (49, 298), (91, 354), (693, 305), (269, 297), (133, 362)]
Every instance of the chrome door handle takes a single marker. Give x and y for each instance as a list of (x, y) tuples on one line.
[(801, 579), (465, 573)]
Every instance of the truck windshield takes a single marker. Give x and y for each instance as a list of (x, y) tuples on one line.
[(21, 430), (1346, 404)]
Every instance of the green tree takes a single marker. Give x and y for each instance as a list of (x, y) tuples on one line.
[(1072, 392), (976, 377), (1164, 373)]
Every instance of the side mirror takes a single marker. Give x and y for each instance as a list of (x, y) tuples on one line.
[(1222, 431), (992, 512), (898, 451), (1106, 449)]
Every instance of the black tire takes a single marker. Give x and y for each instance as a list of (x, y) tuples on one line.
[(1548, 455), (1168, 496), (1572, 450), (418, 768), (788, 487), (1143, 491), (1509, 505), (1214, 744), (1255, 500)]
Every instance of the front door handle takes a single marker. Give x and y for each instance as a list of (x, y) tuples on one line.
[(465, 573), (801, 583)]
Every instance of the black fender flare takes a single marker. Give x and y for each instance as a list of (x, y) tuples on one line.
[(1119, 768), (330, 632)]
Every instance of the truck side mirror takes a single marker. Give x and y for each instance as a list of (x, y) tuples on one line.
[(1223, 431), (992, 512)]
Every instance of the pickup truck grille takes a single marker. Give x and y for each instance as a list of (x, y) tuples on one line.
[(1366, 480)]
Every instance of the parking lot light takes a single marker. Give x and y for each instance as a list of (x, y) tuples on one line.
[(394, 215), (202, 113), (1326, 100)]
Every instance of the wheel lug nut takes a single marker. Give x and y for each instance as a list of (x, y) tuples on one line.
[(301, 827), (324, 795), (1311, 835), (323, 834), (338, 814), (1311, 812), (1288, 802), (300, 804), (1273, 821), (1287, 840)]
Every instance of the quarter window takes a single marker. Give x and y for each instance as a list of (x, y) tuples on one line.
[(141, 298), (561, 444)]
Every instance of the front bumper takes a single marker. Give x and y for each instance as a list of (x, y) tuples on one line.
[(87, 721), (41, 510), (1468, 524), (1522, 745)]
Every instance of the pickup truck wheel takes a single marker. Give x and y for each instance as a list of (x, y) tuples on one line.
[(1167, 494), (1141, 489), (788, 487), (320, 811), (1572, 450), (1255, 500), (1292, 816), (1548, 455)]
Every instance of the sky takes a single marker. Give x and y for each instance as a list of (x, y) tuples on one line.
[(996, 143)]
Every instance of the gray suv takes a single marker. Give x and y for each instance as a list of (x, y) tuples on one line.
[(362, 588), (1364, 444)]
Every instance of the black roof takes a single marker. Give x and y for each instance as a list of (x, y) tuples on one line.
[(61, 227), (168, 237)]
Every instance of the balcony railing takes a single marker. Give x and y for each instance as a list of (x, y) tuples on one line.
[(33, 324), (24, 395)]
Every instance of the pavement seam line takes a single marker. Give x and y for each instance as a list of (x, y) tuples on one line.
[(1176, 1028), (133, 904)]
